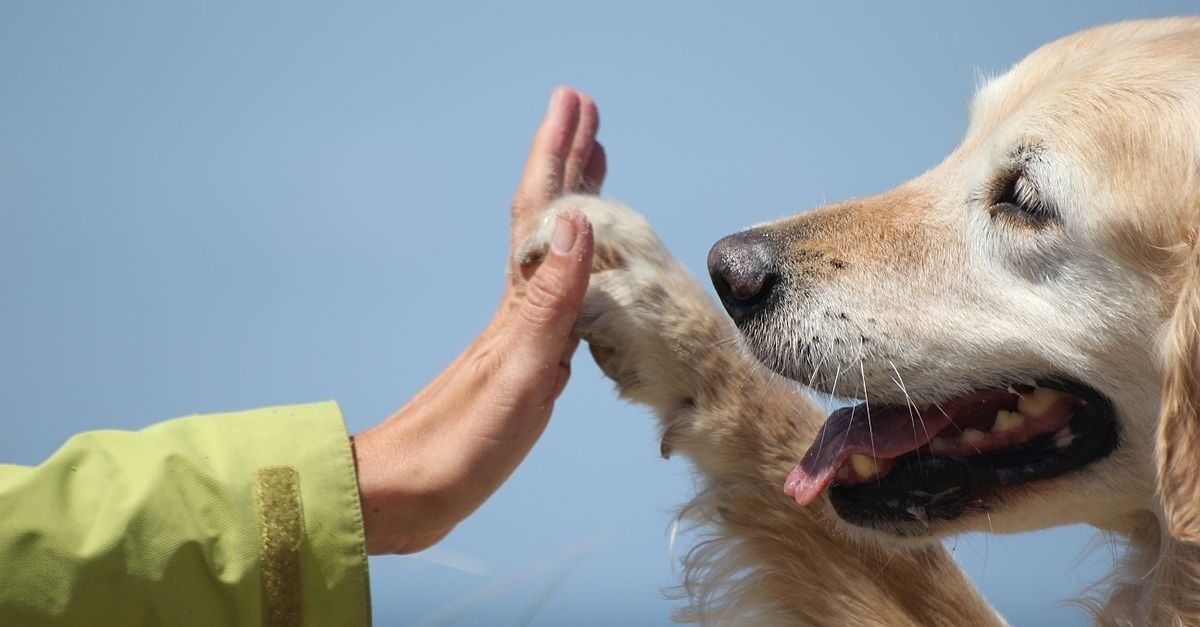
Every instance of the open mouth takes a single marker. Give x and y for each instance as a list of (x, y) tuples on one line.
[(904, 464)]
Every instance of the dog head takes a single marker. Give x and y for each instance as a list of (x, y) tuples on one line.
[(1001, 318)]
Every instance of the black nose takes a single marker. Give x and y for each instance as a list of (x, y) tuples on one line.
[(744, 273)]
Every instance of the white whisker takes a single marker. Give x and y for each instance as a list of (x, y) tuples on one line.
[(867, 403), (899, 381)]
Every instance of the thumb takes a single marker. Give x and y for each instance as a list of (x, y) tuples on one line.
[(555, 292)]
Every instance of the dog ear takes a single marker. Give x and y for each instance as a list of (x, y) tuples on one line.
[(1178, 445)]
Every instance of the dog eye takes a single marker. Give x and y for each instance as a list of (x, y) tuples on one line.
[(1018, 200)]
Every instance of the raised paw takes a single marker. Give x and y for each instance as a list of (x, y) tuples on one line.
[(644, 317), (621, 234)]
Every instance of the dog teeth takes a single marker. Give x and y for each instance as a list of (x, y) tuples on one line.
[(843, 474), (864, 466), (973, 436), (1007, 421), (1064, 437), (1038, 401), (940, 445)]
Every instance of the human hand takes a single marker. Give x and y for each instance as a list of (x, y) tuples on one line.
[(428, 466)]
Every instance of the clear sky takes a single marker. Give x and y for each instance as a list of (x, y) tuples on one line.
[(252, 203)]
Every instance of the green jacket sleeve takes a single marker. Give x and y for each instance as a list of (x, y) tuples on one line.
[(248, 518)]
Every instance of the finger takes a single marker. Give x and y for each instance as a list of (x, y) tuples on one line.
[(593, 174), (569, 351), (545, 317), (564, 367), (582, 144), (544, 169)]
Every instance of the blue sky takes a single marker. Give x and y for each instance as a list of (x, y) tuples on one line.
[(243, 204)]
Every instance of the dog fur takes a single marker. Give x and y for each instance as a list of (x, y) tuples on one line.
[(653, 330), (926, 292)]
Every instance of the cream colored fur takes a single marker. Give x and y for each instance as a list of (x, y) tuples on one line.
[(935, 293), (654, 331)]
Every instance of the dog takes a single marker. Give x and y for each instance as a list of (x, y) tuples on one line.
[(1019, 328)]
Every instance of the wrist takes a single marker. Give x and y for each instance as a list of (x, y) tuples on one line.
[(401, 507)]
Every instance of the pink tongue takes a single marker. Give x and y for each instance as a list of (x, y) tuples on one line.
[(895, 431)]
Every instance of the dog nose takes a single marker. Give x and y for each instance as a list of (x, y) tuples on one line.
[(743, 271)]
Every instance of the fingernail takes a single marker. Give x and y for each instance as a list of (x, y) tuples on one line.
[(564, 234), (554, 96)]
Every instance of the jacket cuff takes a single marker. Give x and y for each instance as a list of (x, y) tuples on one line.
[(297, 467)]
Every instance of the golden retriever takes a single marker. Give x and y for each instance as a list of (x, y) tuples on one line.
[(1019, 326)]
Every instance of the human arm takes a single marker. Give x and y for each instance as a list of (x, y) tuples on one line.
[(166, 525)]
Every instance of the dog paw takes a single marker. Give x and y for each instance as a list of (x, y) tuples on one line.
[(622, 235), (644, 316)]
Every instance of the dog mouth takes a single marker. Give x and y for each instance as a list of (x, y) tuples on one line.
[(891, 464)]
